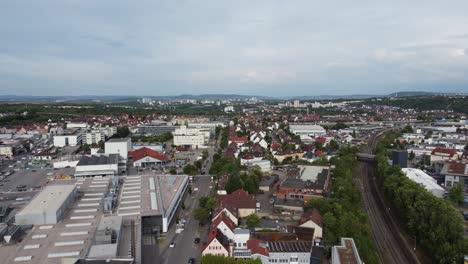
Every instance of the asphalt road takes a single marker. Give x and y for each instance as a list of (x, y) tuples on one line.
[(185, 248)]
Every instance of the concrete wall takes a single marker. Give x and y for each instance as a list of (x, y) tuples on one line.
[(121, 148), (73, 140)]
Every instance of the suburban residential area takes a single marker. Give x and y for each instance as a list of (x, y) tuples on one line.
[(233, 132), (260, 186)]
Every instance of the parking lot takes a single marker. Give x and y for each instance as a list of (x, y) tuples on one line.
[(30, 179)]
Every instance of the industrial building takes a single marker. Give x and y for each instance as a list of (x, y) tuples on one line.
[(145, 157), (155, 147), (70, 137), (155, 130), (97, 165), (48, 207), (307, 130), (429, 183), (154, 198), (119, 146), (345, 253), (400, 158), (209, 125), (191, 137)]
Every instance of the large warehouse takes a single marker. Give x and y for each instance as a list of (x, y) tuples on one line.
[(307, 129), (429, 183), (97, 165), (48, 207)]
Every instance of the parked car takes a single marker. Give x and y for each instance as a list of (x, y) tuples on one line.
[(172, 244), (465, 216), (191, 261), (196, 240)]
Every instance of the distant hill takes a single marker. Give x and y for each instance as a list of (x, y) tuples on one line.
[(334, 97), (130, 98), (409, 94)]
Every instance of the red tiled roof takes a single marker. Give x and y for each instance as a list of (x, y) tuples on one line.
[(256, 248), (321, 140), (238, 199), (238, 139), (444, 152), (456, 167), (247, 156), (146, 152), (221, 207), (311, 214), (223, 218)]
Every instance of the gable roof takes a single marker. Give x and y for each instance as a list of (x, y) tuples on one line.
[(216, 234), (238, 199), (444, 152), (313, 215), (146, 152), (225, 219), (220, 209), (238, 139), (257, 246)]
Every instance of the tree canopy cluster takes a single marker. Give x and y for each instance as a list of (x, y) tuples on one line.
[(154, 139), (342, 214), (433, 222), (122, 132), (252, 220), (224, 138), (206, 204), (190, 169)]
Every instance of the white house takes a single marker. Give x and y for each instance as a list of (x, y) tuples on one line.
[(241, 236), (214, 247)]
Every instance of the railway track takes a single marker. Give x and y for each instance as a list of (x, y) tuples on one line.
[(390, 243)]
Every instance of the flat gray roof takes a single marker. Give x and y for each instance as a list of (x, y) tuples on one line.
[(49, 199), (98, 160)]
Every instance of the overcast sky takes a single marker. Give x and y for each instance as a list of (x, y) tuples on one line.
[(276, 48)]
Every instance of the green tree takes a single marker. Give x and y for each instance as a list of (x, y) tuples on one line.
[(252, 220), (190, 169), (411, 156), (333, 145), (173, 171), (205, 154), (86, 148), (322, 161), (455, 194), (233, 183), (407, 129), (433, 221), (101, 144), (122, 132), (318, 145), (198, 165), (466, 147), (201, 215), (318, 203)]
